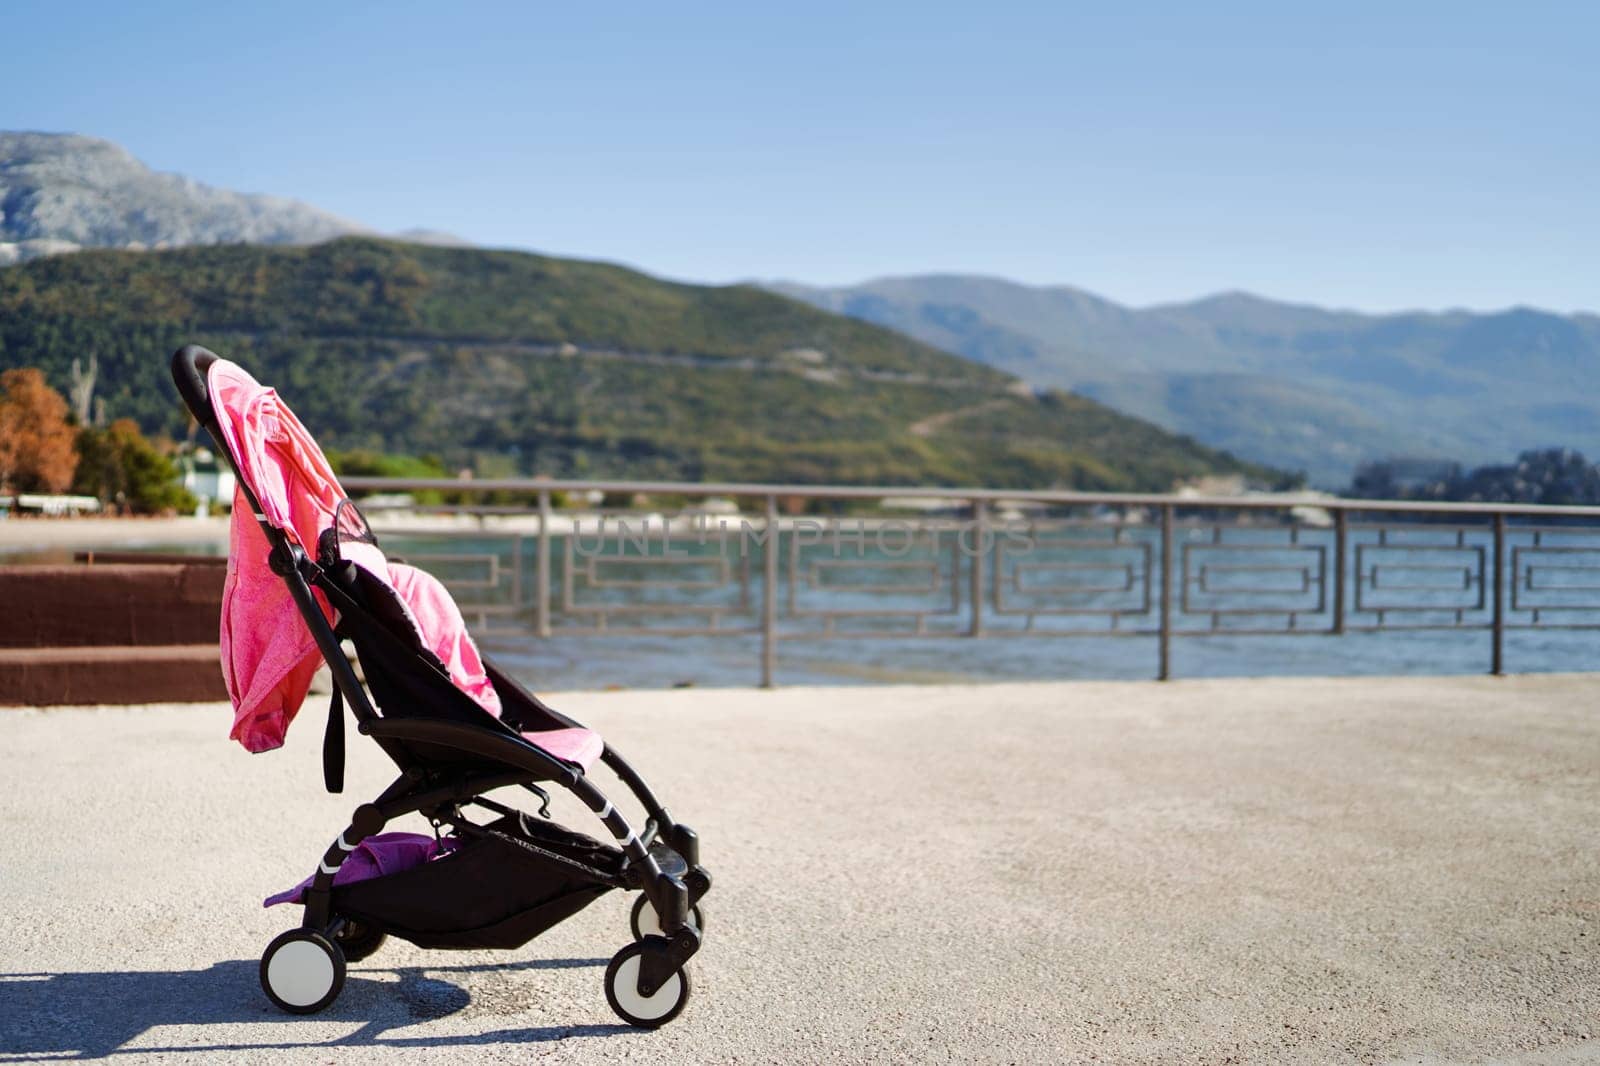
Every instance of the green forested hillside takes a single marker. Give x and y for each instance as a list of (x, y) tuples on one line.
[(521, 363)]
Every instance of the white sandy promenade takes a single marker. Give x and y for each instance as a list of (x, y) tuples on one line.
[(38, 534), (1305, 871)]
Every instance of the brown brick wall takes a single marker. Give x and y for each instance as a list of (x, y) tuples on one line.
[(121, 633)]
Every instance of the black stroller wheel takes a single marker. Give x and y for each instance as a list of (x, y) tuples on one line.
[(358, 940), (643, 920), (302, 972), (634, 1007)]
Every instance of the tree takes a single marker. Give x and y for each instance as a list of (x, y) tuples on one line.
[(1548, 476), (36, 440), (120, 466), (360, 462)]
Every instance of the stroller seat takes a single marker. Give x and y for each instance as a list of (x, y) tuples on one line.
[(575, 745), (514, 706)]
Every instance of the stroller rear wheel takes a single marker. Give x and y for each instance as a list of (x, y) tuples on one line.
[(633, 1006), (644, 921), (302, 971), (358, 940)]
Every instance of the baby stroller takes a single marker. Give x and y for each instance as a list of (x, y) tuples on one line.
[(494, 875)]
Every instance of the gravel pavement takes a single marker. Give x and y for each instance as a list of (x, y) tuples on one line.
[(1303, 871)]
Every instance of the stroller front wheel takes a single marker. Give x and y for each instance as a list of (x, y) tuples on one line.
[(302, 971), (632, 1005), (644, 921)]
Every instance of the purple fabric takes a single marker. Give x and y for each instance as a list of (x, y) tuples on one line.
[(376, 856)]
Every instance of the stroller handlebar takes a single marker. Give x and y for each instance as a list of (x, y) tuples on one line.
[(189, 366)]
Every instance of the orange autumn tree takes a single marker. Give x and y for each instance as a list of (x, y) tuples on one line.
[(37, 452)]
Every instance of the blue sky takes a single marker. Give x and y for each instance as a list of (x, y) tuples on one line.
[(1364, 156)]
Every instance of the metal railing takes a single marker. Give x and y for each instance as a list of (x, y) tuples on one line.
[(991, 563)]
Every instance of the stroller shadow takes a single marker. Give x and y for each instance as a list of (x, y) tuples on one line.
[(64, 1016)]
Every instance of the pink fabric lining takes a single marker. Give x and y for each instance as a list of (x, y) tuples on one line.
[(444, 632), (376, 856), (577, 745)]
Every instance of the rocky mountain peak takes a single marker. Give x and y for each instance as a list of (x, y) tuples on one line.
[(64, 191)]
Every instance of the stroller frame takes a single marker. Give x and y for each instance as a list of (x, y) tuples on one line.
[(447, 765)]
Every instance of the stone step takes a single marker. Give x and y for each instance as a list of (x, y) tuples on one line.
[(87, 606), (174, 673)]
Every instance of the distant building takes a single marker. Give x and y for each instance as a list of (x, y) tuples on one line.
[(1401, 477), (209, 480), (1409, 474), (1212, 485), (713, 505), (45, 504), (924, 504)]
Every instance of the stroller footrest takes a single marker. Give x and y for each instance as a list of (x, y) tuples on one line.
[(670, 861)]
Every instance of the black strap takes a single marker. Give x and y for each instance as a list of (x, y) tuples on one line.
[(333, 743)]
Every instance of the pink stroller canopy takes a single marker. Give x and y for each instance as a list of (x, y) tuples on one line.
[(268, 653)]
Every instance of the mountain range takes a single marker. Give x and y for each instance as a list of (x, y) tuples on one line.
[(1297, 386), (62, 192), (513, 363)]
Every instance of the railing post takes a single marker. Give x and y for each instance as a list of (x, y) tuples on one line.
[(1497, 654), (769, 598), (516, 574), (1165, 671), (1341, 533), (979, 533), (541, 600)]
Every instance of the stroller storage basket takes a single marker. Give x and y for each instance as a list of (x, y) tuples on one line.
[(497, 890)]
